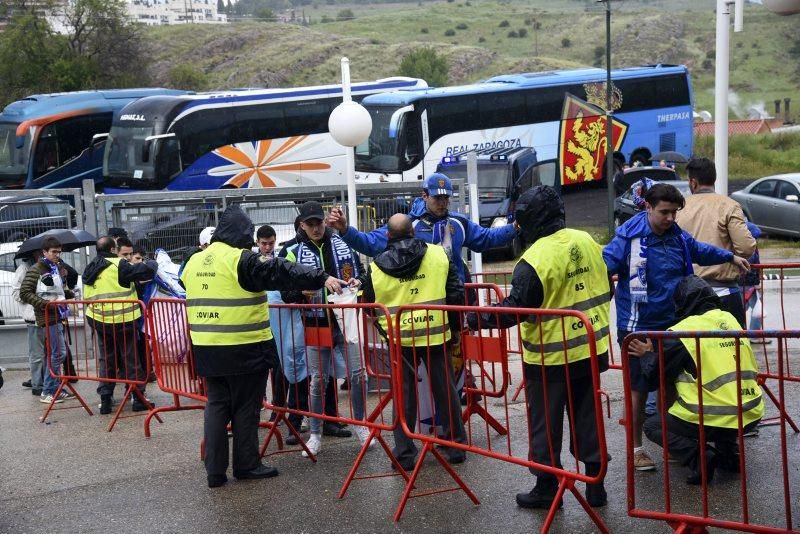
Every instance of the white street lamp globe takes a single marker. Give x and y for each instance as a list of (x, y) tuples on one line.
[(783, 7), (350, 124)]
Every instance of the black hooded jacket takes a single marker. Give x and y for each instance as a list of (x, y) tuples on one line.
[(402, 259), (128, 272), (692, 296), (255, 273)]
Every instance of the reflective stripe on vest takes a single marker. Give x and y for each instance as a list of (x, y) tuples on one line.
[(106, 287), (425, 287), (720, 388), (570, 265), (219, 310)]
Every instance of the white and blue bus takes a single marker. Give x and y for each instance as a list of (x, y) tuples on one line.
[(415, 131), (56, 140), (237, 139)]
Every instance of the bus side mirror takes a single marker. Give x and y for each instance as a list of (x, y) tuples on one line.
[(96, 138), (148, 140)]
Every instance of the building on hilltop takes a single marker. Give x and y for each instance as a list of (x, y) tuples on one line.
[(165, 12)]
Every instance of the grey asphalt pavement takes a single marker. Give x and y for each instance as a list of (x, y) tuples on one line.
[(70, 475)]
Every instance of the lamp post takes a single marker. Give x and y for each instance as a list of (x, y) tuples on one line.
[(349, 125), (722, 70), (609, 124)]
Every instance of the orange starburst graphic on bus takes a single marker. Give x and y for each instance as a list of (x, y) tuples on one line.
[(255, 164)]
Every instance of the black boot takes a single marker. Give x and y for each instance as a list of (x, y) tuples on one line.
[(695, 479), (105, 404), (596, 494), (542, 495)]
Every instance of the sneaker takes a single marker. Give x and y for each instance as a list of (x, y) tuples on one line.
[(753, 433), (643, 462), (304, 425), (761, 341), (36, 392), (47, 399), (314, 444), (363, 435), (26, 384), (139, 406), (337, 431), (66, 395), (105, 404)]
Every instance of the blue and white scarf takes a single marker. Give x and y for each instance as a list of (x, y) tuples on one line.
[(344, 263), (637, 276)]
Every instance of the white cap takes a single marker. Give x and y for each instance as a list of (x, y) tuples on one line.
[(206, 235)]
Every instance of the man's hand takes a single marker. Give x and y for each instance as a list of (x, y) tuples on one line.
[(334, 285), (337, 220), (638, 347), (354, 282), (472, 321), (741, 263)]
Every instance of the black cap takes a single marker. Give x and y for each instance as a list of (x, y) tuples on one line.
[(311, 210)]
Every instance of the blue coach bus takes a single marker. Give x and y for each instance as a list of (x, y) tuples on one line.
[(235, 139), (558, 113), (56, 140)]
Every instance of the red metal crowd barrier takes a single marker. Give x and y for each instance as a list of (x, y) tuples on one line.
[(360, 345), (104, 352), (173, 360), (487, 345), (773, 469)]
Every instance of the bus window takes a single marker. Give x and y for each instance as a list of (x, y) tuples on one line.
[(455, 114), (256, 123), (500, 109), (203, 131), (46, 154), (308, 116), (168, 157)]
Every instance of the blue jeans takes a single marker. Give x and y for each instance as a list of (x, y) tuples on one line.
[(320, 361), (35, 356), (56, 354)]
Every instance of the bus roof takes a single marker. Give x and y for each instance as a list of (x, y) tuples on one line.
[(518, 81), (36, 106), (246, 95)]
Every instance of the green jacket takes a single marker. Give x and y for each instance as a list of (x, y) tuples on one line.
[(34, 292)]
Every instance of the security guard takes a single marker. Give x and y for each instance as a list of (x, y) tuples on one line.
[(228, 319), (411, 271), (108, 277), (698, 309), (562, 269)]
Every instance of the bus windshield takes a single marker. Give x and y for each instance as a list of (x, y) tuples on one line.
[(13, 160), (123, 161), (393, 143)]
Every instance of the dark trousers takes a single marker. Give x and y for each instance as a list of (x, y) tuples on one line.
[(582, 423), (233, 399), (279, 382), (683, 438), (117, 358), (445, 398), (734, 305)]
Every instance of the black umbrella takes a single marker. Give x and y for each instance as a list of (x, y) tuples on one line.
[(671, 156), (70, 240)]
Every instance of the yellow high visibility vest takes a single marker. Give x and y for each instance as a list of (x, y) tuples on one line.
[(570, 265), (427, 286), (718, 367), (106, 287), (220, 312)]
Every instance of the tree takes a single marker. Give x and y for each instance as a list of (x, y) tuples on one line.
[(265, 14), (187, 77), (100, 47), (220, 6), (229, 11), (425, 63), (345, 14)]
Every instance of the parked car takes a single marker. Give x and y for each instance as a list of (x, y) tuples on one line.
[(624, 208), (773, 203), (21, 218)]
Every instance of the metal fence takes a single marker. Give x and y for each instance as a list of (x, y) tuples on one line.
[(173, 220), (24, 214)]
